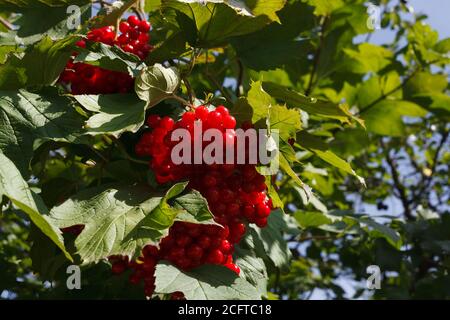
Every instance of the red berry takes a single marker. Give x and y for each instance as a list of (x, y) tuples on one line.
[(167, 123), (188, 118), (201, 113), (209, 181), (183, 240), (263, 211), (229, 122), (124, 27), (261, 222), (128, 48), (194, 252), (118, 267), (144, 26), (133, 21), (225, 246), (153, 120), (214, 120), (222, 110), (204, 241), (233, 268), (215, 257), (123, 39)]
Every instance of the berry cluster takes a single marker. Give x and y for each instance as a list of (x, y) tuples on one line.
[(87, 79), (236, 194)]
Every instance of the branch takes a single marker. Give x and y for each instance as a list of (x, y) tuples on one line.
[(436, 158), (399, 187), (239, 89), (6, 23), (385, 95), (317, 56)]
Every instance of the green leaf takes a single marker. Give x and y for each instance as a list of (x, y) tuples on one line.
[(218, 20), (13, 186), (173, 47), (286, 167), (122, 220), (310, 105), (110, 58), (385, 118), (325, 7), (208, 282), (368, 58), (272, 239), (383, 231), (195, 208), (32, 4), (260, 108), (252, 268), (26, 116), (39, 19), (41, 65), (438, 103), (114, 113), (110, 217), (321, 149), (311, 219), (277, 44), (424, 82), (286, 121), (156, 83)]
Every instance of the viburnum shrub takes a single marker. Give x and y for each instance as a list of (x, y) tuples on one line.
[(236, 194), (127, 158), (84, 78)]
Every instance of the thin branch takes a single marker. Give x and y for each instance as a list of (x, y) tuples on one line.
[(190, 92), (436, 158), (219, 87), (386, 94), (181, 100), (240, 78), (400, 188), (317, 56), (8, 25)]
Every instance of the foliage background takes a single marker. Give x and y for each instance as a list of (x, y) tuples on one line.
[(321, 49)]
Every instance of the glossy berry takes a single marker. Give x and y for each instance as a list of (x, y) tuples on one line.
[(81, 78), (236, 195)]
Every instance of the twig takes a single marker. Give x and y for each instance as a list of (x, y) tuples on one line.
[(6, 23), (397, 183), (181, 100), (219, 87), (385, 95), (190, 92), (317, 56), (239, 89), (436, 158)]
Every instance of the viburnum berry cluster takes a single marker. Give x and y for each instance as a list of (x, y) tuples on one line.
[(88, 79), (236, 195)]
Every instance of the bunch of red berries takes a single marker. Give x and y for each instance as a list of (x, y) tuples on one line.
[(236, 194), (87, 79), (143, 268)]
